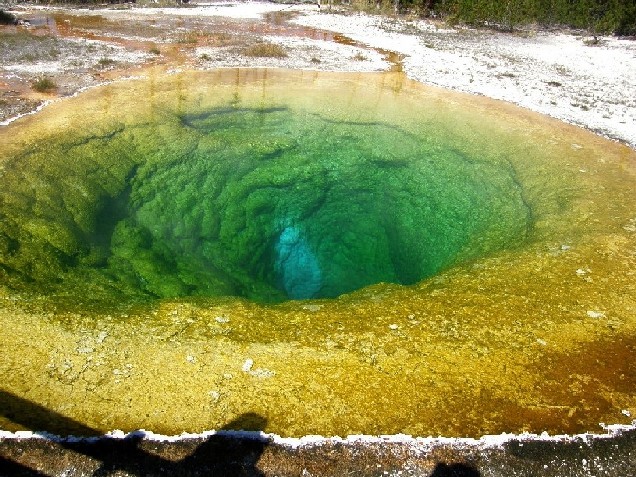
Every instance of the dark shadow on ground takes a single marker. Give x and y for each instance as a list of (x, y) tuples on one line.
[(34, 417), (455, 470), (226, 453), (13, 469), (229, 452)]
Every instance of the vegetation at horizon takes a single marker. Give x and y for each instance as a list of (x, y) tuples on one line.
[(596, 16)]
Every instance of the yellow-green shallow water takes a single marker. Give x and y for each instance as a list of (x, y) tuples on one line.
[(171, 248)]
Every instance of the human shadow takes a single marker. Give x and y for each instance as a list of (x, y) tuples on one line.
[(233, 450), (9, 467), (455, 470), (34, 417)]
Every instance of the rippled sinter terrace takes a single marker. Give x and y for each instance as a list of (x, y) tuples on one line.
[(337, 253)]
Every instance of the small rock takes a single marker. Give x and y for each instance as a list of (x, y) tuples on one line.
[(222, 319), (190, 359), (595, 314), (262, 373), (631, 226), (247, 365), (393, 326)]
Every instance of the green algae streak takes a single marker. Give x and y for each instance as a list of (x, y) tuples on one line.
[(391, 257)]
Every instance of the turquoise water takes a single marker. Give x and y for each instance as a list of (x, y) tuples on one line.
[(264, 203)]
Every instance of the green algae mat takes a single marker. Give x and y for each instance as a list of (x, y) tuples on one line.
[(335, 253)]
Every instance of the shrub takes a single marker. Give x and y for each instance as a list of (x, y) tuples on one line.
[(7, 18), (265, 50), (188, 38), (105, 62), (43, 84)]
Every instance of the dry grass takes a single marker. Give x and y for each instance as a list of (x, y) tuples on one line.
[(265, 50), (220, 39), (187, 38), (359, 57), (106, 62)]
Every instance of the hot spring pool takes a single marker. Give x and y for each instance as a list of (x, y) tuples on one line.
[(336, 253)]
